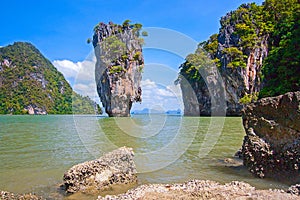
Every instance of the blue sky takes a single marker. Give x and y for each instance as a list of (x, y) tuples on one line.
[(60, 28)]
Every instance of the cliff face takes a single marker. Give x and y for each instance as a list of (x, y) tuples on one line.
[(239, 79), (239, 64), (119, 65)]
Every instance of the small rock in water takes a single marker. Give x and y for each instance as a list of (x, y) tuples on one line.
[(116, 167)]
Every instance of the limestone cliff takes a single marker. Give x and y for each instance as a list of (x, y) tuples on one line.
[(238, 61), (118, 71)]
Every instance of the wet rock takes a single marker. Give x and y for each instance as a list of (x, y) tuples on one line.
[(232, 162), (116, 167), (199, 189), (118, 70), (271, 147), (239, 154), (11, 196), (294, 189)]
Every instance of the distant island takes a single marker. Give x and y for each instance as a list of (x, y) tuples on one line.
[(153, 111), (30, 84)]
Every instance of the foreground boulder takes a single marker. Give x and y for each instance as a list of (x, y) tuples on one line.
[(116, 167), (271, 147), (11, 196), (200, 189)]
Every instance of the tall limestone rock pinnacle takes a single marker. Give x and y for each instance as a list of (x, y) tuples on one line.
[(238, 58), (118, 71)]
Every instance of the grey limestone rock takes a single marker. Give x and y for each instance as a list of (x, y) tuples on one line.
[(237, 81), (116, 167), (271, 147)]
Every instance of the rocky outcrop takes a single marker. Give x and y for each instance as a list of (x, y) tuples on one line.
[(239, 67), (200, 189), (34, 110), (119, 66), (116, 167), (11, 196), (271, 147)]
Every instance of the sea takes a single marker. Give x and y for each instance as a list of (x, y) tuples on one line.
[(35, 151)]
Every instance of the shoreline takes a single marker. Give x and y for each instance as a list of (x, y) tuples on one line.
[(191, 190), (200, 189)]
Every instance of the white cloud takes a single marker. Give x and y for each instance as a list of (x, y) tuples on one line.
[(67, 67), (79, 71), (81, 75), (159, 96)]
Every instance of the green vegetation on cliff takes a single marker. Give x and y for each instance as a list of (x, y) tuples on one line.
[(281, 68), (274, 25), (28, 81)]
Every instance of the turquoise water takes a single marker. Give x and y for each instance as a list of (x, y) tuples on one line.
[(35, 151)]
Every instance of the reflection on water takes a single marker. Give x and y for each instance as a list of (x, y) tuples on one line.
[(35, 151)]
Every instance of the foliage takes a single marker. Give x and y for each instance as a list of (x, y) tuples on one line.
[(237, 57), (211, 47), (281, 68), (193, 63), (144, 33), (248, 98), (84, 105), (137, 55), (117, 50), (126, 23), (141, 68), (113, 48), (28, 78), (115, 69)]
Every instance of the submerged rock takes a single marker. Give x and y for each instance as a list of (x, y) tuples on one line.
[(200, 189), (294, 189), (116, 167), (11, 196), (119, 66), (271, 147)]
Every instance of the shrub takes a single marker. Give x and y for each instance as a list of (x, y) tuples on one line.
[(144, 33), (116, 69)]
